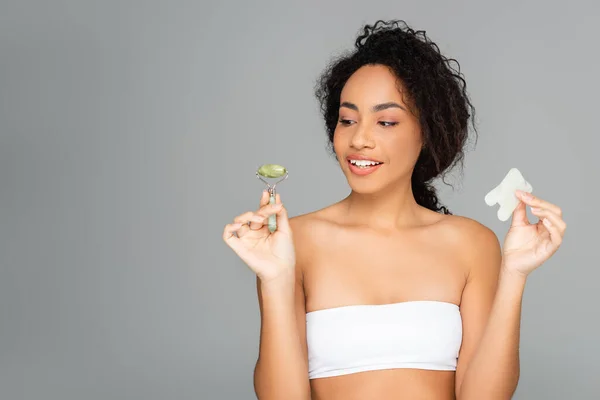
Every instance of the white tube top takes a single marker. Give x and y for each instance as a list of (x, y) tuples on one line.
[(412, 334)]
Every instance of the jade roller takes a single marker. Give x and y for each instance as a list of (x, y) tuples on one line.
[(272, 171)]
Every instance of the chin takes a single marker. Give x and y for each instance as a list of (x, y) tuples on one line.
[(365, 184)]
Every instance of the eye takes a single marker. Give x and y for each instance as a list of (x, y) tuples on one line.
[(388, 124), (345, 121)]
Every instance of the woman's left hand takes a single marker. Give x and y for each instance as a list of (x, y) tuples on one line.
[(527, 245)]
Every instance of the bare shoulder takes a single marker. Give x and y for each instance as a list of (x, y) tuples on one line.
[(477, 243), (467, 228), (309, 232), (310, 226)]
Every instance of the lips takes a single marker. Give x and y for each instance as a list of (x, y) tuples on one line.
[(361, 157), (363, 169)]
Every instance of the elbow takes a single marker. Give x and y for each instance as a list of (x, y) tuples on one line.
[(261, 392), (504, 393), (266, 388), (259, 388), (499, 390)]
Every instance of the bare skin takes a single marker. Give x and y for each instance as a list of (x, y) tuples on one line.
[(425, 261), (378, 246), (420, 254)]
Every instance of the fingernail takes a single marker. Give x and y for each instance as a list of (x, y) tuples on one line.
[(535, 210), (547, 222), (525, 195)]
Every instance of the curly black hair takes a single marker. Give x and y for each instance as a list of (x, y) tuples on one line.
[(435, 91)]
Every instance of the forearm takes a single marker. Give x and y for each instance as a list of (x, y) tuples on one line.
[(493, 373), (281, 371)]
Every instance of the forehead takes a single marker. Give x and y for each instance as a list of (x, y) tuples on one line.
[(372, 84)]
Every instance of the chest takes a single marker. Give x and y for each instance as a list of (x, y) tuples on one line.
[(358, 268)]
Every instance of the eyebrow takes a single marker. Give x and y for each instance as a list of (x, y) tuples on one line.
[(376, 108)]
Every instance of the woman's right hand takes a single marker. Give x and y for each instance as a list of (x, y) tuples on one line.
[(269, 255)]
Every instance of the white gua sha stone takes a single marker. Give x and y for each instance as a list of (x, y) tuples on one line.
[(504, 193)]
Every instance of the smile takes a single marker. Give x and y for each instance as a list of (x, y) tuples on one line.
[(363, 167), (364, 163)]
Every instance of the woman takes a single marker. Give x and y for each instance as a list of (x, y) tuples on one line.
[(386, 294)]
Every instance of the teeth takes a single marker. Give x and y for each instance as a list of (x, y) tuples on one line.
[(364, 163)]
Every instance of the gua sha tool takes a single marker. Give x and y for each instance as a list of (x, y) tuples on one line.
[(272, 171), (504, 193)]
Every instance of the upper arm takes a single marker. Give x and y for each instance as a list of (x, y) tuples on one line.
[(301, 315), (483, 260), (297, 225)]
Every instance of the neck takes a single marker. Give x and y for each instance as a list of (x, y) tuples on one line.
[(390, 208)]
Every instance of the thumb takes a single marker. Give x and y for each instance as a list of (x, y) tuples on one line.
[(283, 223), (264, 198), (519, 217)]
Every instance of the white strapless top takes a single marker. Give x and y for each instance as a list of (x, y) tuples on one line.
[(413, 334)]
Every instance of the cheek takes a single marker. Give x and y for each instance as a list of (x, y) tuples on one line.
[(338, 144), (406, 148)]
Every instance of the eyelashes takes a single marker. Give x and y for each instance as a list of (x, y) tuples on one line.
[(385, 124)]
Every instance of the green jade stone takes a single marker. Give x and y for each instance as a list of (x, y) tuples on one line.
[(272, 171)]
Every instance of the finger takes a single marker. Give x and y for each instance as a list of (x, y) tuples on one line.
[(249, 220), (555, 234), (554, 218), (269, 209), (283, 223), (257, 216), (256, 219), (535, 201), (519, 217), (245, 217), (257, 222), (230, 231), (243, 230), (264, 199)]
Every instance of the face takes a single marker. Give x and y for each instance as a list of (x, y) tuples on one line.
[(377, 139)]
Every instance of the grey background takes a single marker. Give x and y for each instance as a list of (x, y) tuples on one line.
[(130, 133)]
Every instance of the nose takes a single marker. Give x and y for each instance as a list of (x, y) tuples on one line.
[(362, 137)]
